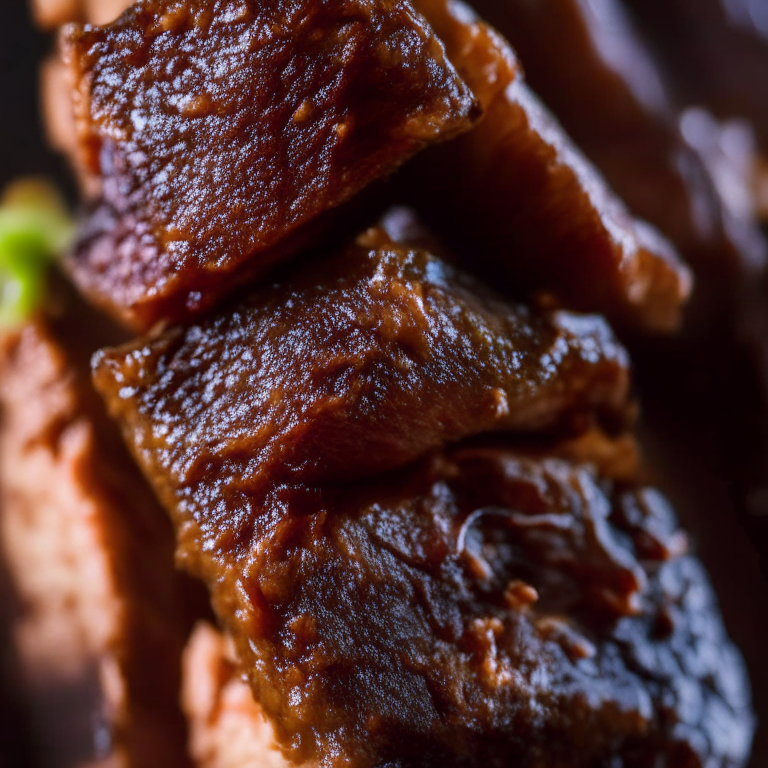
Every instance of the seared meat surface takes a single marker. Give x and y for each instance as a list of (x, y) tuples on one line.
[(479, 607), (418, 504)]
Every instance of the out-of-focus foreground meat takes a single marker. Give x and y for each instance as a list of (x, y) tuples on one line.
[(530, 207), (590, 67), (358, 365), (90, 557), (266, 115), (50, 14), (227, 728)]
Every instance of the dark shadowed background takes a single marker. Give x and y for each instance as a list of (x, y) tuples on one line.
[(22, 152)]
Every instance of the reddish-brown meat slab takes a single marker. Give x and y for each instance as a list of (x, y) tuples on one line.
[(361, 364), (221, 128), (531, 207), (481, 608)]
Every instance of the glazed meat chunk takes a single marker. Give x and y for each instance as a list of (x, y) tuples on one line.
[(221, 129), (531, 210), (479, 608), (98, 627), (356, 366)]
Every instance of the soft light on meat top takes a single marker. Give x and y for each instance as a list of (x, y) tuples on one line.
[(221, 128), (356, 366)]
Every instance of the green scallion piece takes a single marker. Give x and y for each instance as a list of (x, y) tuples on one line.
[(35, 229)]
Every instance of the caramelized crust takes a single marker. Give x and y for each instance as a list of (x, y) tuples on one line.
[(222, 128), (357, 366), (90, 555), (544, 218), (479, 607)]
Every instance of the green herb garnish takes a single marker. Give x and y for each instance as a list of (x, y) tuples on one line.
[(34, 229)]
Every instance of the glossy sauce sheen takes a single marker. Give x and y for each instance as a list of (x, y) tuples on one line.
[(535, 213), (478, 609), (357, 366), (220, 128), (368, 623)]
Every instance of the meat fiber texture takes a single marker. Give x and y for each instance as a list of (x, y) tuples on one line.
[(220, 130), (89, 554), (517, 177), (361, 364)]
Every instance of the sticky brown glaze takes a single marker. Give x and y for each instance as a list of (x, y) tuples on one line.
[(534, 213), (480, 608), (357, 366), (220, 129)]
